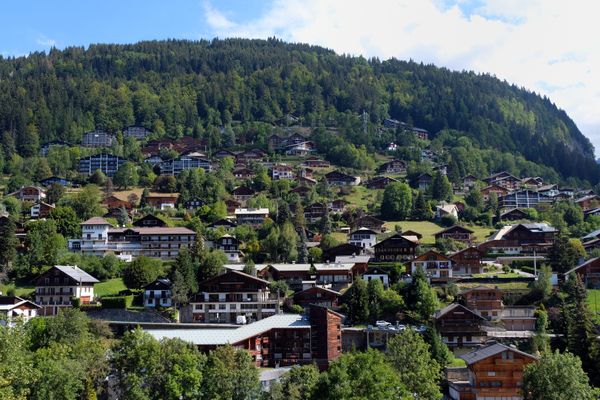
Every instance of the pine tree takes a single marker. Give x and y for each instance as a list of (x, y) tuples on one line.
[(541, 340), (325, 224), (8, 242), (144, 199), (441, 189), (356, 300), (302, 247), (581, 332), (422, 210), (439, 351)]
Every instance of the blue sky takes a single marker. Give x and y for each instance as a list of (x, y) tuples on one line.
[(547, 46), (27, 26)]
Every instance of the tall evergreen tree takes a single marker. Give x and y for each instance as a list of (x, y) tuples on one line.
[(441, 188), (356, 300), (8, 242)]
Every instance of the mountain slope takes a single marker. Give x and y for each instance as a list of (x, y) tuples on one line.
[(182, 87)]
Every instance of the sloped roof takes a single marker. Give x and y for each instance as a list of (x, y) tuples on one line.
[(96, 221), (76, 273), (489, 351), (454, 227), (452, 307), (586, 263), (222, 336)]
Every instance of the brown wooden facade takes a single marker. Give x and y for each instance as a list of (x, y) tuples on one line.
[(467, 261), (395, 248)]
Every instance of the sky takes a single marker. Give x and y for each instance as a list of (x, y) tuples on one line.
[(551, 47)]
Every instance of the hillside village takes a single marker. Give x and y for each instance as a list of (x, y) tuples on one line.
[(287, 250)]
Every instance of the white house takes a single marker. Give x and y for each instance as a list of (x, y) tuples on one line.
[(363, 237), (446, 209), (158, 294), (14, 308), (57, 287), (377, 273)]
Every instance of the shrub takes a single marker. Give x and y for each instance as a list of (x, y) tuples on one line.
[(123, 302)]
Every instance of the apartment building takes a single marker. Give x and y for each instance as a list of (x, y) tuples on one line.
[(106, 163), (55, 288)]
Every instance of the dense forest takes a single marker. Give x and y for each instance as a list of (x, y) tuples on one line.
[(178, 88)]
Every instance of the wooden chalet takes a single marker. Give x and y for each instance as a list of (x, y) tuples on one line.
[(379, 182), (514, 214), (456, 232), (589, 272), (112, 202), (162, 201), (242, 193), (316, 295), (436, 266), (460, 326), (424, 181), (345, 249), (467, 261), (485, 300), (393, 167), (149, 220), (395, 248), (369, 222), (232, 205), (493, 189), (337, 178), (243, 173), (494, 372), (301, 190), (588, 202)]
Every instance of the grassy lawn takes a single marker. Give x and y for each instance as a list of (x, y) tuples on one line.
[(21, 291), (457, 362), (499, 274), (340, 237), (500, 285), (361, 197), (425, 228), (109, 287), (428, 229), (594, 300)]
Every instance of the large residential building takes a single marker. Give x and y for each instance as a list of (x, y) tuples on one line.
[(460, 326), (337, 178), (29, 193), (55, 288), (162, 201), (395, 248), (97, 138), (363, 237), (520, 239), (523, 199), (494, 372), (106, 163), (435, 265), (467, 261), (251, 216), (176, 165), (279, 340), (137, 132), (14, 309), (233, 297), (98, 237)]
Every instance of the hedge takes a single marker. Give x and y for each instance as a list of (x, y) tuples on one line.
[(117, 301)]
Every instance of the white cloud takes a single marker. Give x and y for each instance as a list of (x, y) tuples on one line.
[(45, 41), (547, 46)]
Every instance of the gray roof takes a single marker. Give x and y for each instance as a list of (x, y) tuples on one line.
[(77, 273), (222, 336), (591, 235), (489, 351)]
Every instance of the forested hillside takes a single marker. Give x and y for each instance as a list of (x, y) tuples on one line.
[(177, 88)]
